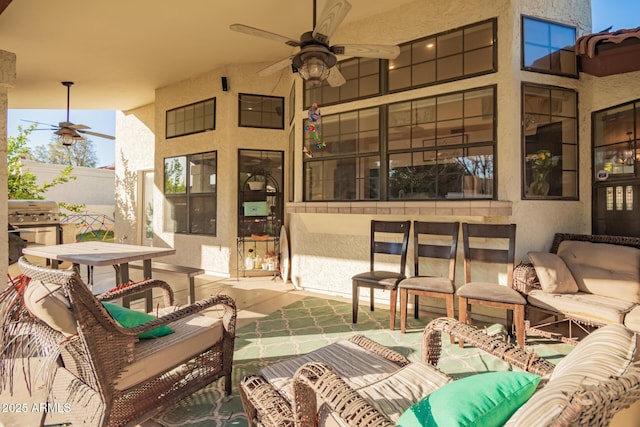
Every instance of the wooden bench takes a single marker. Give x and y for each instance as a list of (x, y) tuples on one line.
[(191, 272)]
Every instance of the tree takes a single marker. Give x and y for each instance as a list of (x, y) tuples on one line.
[(22, 183), (81, 153)]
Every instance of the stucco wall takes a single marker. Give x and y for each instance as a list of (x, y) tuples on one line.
[(134, 153), (329, 248), (216, 254), (95, 188), (7, 79)]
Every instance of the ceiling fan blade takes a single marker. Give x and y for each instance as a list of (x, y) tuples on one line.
[(100, 135), (78, 127), (332, 16), (53, 127), (382, 51), (335, 77), (285, 62), (245, 29)]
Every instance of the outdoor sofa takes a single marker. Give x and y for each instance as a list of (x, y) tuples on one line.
[(360, 383), (590, 280)]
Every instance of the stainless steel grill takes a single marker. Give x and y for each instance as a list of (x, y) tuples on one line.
[(32, 222), (33, 212)]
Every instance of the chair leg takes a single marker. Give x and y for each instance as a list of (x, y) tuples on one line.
[(371, 299), (416, 306), (404, 296), (355, 296), (518, 314), (462, 314), (450, 312), (393, 302)]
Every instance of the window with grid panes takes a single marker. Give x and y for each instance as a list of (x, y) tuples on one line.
[(452, 55), (550, 142), (442, 147), (260, 111), (192, 118), (548, 47), (190, 193)]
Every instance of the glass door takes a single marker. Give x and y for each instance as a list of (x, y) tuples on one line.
[(146, 228)]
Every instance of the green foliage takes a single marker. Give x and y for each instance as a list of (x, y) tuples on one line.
[(22, 183), (80, 153), (174, 176), (71, 208)]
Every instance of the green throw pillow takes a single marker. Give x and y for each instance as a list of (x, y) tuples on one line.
[(129, 318), (481, 400)]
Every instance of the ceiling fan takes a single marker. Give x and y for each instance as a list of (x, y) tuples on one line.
[(316, 59), (69, 133)]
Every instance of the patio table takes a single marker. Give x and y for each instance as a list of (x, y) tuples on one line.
[(97, 254)]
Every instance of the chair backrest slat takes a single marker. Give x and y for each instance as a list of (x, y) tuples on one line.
[(442, 243), (493, 234), (389, 238)]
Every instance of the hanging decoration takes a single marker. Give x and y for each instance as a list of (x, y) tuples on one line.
[(314, 129)]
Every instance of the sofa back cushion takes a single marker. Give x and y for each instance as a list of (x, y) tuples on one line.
[(48, 303), (605, 353), (554, 276), (604, 269)]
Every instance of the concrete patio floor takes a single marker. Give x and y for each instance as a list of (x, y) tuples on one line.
[(255, 297)]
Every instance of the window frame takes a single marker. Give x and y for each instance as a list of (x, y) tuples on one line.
[(184, 110), (189, 195), (523, 45), (262, 111), (525, 190), (383, 154)]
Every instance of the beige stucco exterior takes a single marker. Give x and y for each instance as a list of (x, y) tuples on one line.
[(7, 79), (329, 241)]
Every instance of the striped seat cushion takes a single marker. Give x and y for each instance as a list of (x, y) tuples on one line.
[(357, 366)]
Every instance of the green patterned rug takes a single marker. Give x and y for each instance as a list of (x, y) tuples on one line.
[(313, 323)]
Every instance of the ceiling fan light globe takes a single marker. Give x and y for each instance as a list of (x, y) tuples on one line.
[(314, 68)]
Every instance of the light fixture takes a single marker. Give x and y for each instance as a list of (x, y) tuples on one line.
[(313, 64), (68, 137)]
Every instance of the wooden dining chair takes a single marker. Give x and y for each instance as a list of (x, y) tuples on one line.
[(488, 247), (388, 240), (433, 242)]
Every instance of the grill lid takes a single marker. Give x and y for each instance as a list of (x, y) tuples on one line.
[(22, 212)]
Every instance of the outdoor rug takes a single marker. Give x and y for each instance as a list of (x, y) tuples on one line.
[(313, 323)]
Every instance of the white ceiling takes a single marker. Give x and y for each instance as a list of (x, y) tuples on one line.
[(119, 51)]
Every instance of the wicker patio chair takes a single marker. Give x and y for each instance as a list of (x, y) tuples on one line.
[(105, 374)]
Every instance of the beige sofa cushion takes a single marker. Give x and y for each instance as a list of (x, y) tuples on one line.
[(604, 269), (192, 335), (554, 276), (582, 306), (48, 303), (632, 319), (606, 352)]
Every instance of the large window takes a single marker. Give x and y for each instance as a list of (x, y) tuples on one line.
[(615, 134), (448, 56), (548, 47), (550, 142), (192, 118), (190, 192), (442, 147), (261, 111), (362, 77), (347, 167), (432, 148), (461, 53)]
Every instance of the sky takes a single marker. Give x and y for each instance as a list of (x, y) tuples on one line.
[(619, 14)]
